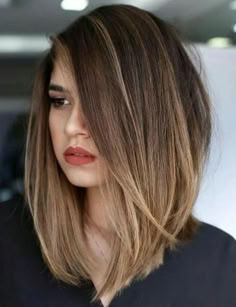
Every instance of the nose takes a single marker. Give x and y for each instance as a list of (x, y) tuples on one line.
[(75, 124)]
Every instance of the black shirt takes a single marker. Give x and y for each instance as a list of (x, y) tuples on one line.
[(201, 274)]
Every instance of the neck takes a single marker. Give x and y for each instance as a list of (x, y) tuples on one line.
[(95, 211)]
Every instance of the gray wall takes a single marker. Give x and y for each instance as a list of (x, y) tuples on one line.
[(216, 203)]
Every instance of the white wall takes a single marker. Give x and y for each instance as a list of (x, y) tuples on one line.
[(216, 203)]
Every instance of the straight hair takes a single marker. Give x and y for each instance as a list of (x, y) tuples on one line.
[(150, 116)]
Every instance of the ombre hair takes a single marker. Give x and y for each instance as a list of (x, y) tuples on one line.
[(150, 117)]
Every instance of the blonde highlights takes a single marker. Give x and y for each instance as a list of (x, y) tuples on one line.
[(149, 115)]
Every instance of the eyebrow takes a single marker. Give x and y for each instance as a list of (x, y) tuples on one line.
[(58, 88)]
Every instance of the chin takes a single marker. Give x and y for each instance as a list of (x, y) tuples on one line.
[(81, 180)]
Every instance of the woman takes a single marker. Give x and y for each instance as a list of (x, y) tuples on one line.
[(118, 136)]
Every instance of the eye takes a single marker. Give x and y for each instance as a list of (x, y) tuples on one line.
[(57, 102)]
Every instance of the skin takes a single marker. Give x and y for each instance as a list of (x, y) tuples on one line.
[(67, 128)]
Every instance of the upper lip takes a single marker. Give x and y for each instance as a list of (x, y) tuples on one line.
[(72, 150)]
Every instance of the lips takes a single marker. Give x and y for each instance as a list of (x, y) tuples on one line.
[(78, 150)]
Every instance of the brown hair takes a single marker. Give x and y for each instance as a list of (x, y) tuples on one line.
[(149, 115)]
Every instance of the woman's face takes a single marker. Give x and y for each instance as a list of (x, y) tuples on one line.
[(67, 128)]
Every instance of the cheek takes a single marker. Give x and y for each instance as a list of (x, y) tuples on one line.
[(51, 125), (53, 129)]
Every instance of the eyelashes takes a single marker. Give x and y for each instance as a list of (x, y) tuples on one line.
[(57, 102)]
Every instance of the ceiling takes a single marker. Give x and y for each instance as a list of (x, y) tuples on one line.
[(199, 20)]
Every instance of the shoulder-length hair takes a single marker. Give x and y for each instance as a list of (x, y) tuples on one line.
[(149, 114)]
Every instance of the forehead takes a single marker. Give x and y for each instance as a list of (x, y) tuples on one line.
[(59, 73), (62, 78)]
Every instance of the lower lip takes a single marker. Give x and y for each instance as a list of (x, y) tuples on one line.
[(78, 160)]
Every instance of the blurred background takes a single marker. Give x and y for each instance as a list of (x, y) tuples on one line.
[(210, 25)]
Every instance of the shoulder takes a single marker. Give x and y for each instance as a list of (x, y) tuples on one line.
[(18, 240), (208, 264), (211, 245), (202, 269), (12, 210), (209, 230), (215, 240), (15, 221), (219, 248)]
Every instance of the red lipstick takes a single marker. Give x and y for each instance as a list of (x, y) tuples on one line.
[(78, 156)]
